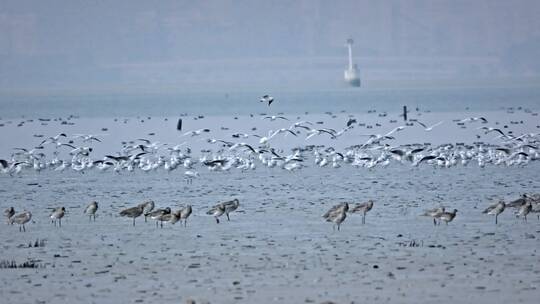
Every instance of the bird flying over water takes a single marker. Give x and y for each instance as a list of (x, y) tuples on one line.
[(267, 98)]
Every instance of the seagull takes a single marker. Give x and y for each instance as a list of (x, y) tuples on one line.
[(88, 137), (53, 140), (196, 132), (490, 129), (264, 139), (282, 130), (396, 129), (495, 209), (190, 175), (273, 117), (425, 158), (474, 119), (426, 128), (235, 146), (91, 210), (267, 98), (342, 131), (299, 124), (314, 132), (239, 135)]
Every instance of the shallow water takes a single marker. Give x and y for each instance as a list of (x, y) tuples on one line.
[(276, 248), (210, 102)]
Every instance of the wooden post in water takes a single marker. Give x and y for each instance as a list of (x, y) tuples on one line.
[(405, 113), (179, 125)]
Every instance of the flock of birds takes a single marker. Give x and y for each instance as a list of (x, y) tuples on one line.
[(75, 152), (336, 214), (146, 209), (247, 151), (523, 205)]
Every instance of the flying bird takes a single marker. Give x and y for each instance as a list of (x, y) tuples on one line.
[(267, 98), (426, 128)]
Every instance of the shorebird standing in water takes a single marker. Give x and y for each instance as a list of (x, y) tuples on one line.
[(8, 213), (495, 209), (184, 214), (148, 206), (524, 210), (447, 217), (362, 208), (158, 214), (337, 215), (171, 217), (216, 211), (58, 214), (231, 206), (434, 213), (133, 212), (21, 219), (91, 210)]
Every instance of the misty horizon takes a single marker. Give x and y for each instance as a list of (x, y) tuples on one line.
[(95, 46)]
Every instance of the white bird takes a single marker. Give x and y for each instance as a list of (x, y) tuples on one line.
[(283, 130), (314, 132), (426, 128), (53, 140), (196, 132), (87, 137), (273, 117), (190, 175), (394, 130), (474, 119)]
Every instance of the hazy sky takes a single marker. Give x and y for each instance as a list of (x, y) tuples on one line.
[(97, 44)]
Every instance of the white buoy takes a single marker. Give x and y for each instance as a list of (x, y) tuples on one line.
[(352, 76)]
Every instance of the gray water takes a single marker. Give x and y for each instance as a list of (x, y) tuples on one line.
[(246, 102)]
